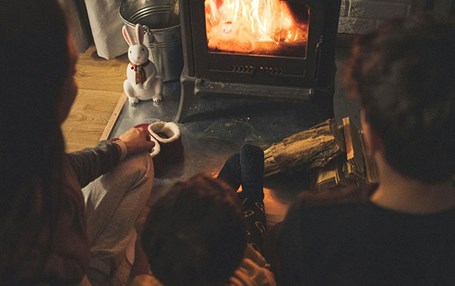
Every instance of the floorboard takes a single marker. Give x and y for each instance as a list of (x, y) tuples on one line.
[(94, 111)]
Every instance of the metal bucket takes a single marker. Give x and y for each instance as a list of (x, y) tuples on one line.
[(163, 39)]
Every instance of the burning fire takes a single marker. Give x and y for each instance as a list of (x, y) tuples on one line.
[(252, 26)]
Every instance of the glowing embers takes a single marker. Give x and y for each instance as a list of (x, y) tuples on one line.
[(269, 27)]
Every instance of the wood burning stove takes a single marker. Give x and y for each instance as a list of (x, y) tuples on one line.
[(268, 49)]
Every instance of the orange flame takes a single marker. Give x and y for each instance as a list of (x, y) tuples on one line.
[(252, 26)]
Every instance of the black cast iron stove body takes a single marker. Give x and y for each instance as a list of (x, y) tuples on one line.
[(295, 63)]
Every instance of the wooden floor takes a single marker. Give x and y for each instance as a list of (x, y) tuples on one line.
[(99, 99)]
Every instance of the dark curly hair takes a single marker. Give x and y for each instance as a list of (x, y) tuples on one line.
[(195, 234), (403, 76)]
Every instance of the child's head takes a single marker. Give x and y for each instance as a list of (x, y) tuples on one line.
[(195, 234)]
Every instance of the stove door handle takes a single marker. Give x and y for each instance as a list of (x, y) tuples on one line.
[(317, 57)]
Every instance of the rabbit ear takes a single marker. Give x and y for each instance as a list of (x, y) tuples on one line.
[(127, 36), (139, 34)]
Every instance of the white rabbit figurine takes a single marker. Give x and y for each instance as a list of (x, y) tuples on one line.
[(143, 82)]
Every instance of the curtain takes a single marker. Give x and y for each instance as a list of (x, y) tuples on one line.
[(106, 27), (96, 21)]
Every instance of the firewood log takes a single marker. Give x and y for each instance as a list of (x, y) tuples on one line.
[(308, 149)]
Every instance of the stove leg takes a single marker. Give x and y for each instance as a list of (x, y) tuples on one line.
[(324, 101), (187, 97)]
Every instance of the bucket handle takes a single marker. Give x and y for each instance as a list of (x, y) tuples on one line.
[(149, 34)]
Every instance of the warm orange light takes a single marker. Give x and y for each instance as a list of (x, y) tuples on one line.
[(252, 26)]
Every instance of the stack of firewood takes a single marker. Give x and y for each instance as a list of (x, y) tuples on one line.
[(336, 154)]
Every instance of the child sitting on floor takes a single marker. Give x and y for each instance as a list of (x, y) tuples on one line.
[(199, 233)]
